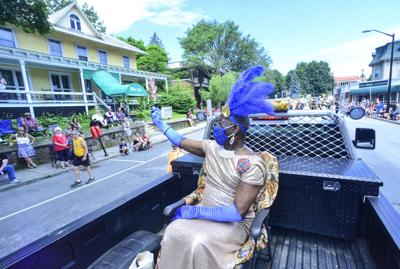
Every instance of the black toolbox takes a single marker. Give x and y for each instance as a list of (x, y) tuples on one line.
[(188, 167), (321, 195)]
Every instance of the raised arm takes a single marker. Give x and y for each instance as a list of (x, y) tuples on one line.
[(192, 146)]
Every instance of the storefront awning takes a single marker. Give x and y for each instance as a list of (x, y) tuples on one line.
[(111, 86), (374, 90)]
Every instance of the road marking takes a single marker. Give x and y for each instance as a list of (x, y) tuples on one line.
[(132, 161), (79, 188)]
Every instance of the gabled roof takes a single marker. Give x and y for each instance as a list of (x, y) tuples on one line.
[(55, 17)]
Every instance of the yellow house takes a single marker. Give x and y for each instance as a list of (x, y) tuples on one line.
[(53, 73)]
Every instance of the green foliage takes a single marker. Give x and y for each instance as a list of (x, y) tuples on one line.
[(275, 77), (54, 5), (47, 119), (134, 42), (219, 89), (30, 15), (222, 46), (179, 98), (155, 61), (155, 40)]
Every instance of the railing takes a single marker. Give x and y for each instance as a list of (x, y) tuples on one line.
[(45, 97), (37, 57)]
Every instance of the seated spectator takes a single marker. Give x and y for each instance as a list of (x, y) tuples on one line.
[(146, 142), (395, 112), (30, 124), (97, 119), (110, 116), (25, 149), (60, 142), (137, 142), (123, 147), (75, 124), (120, 115), (8, 169), (189, 116)]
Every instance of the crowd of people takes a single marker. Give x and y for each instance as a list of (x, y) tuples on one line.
[(378, 108), (69, 145)]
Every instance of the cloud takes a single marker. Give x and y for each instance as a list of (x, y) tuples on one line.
[(350, 58), (119, 15)]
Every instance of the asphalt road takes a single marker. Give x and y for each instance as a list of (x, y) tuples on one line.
[(384, 158), (30, 212)]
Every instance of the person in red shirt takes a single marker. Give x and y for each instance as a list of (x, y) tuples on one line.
[(61, 147)]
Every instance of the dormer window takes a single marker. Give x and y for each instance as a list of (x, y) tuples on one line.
[(75, 22)]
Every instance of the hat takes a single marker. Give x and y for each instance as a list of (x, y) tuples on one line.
[(57, 129), (248, 96), (27, 114)]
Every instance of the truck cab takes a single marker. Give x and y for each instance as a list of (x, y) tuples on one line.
[(328, 213)]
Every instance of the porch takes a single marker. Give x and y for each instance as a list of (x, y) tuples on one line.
[(38, 83)]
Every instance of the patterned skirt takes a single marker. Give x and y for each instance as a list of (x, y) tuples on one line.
[(25, 151)]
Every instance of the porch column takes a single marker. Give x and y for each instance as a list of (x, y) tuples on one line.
[(83, 90), (26, 87), (397, 97), (166, 85), (147, 88)]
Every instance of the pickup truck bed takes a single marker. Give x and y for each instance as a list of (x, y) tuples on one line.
[(294, 249)]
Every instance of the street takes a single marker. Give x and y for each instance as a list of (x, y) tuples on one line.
[(383, 159), (30, 212)]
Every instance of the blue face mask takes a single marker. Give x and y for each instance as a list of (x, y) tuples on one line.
[(220, 136)]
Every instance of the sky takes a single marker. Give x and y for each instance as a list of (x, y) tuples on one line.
[(290, 30)]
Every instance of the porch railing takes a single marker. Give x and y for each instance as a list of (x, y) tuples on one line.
[(45, 97)]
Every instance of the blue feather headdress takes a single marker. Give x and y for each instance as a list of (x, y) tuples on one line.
[(248, 96)]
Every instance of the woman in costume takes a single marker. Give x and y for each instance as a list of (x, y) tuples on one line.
[(210, 234)]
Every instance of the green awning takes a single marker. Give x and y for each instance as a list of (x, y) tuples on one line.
[(136, 89), (111, 86), (374, 90)]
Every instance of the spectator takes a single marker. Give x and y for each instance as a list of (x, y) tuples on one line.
[(123, 147), (137, 142), (68, 134), (127, 131), (120, 115), (8, 169), (60, 142), (80, 158), (189, 116), (395, 112), (30, 124), (75, 124), (146, 142), (25, 149), (110, 116), (175, 153), (97, 119)]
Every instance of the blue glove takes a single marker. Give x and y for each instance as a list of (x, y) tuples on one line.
[(173, 136), (228, 213)]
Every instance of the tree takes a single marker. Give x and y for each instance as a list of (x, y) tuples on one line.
[(293, 85), (219, 88), (222, 46), (138, 43), (90, 12), (31, 16), (155, 61), (275, 77), (155, 40)]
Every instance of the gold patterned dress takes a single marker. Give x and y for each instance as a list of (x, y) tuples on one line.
[(203, 244)]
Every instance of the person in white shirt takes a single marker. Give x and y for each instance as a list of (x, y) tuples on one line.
[(97, 117)]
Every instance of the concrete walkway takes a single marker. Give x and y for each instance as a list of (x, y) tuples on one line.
[(29, 176), (390, 121)]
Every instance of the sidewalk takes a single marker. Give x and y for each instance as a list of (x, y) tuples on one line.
[(390, 121), (29, 176)]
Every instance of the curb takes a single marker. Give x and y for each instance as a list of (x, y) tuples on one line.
[(386, 120), (61, 171)]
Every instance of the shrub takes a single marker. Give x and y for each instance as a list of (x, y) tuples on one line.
[(179, 98)]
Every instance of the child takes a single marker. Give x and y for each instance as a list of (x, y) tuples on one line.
[(80, 158), (123, 147)]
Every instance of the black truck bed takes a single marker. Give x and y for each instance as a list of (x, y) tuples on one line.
[(295, 249)]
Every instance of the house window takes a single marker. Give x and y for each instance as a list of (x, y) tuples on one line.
[(55, 47), (61, 83), (7, 37), (14, 82), (126, 62), (88, 85), (75, 22), (102, 57), (82, 53)]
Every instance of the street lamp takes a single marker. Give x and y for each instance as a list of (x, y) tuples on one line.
[(391, 64)]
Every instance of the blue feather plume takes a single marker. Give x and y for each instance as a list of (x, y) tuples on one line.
[(250, 97)]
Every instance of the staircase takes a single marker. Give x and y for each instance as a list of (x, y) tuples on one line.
[(151, 130)]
